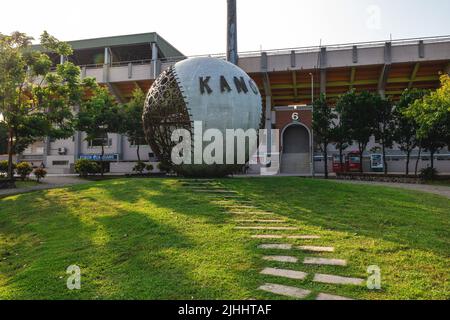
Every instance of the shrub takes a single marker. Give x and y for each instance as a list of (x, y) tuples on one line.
[(428, 173), (149, 167), (4, 167), (23, 170), (164, 167), (40, 174), (85, 167), (139, 167)]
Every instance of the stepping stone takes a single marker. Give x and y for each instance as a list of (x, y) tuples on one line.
[(277, 246), (261, 221), (268, 236), (291, 274), (281, 259), (273, 236), (325, 262), (266, 228), (304, 237), (287, 291), (316, 249), (330, 297), (332, 279), (214, 191), (254, 213)]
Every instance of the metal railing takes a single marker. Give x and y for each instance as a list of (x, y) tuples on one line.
[(285, 51)]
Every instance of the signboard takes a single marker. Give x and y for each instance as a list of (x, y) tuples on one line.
[(97, 157)]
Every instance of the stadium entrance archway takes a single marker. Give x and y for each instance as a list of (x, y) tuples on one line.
[(296, 149)]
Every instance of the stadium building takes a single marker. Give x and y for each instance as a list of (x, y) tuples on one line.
[(288, 80)]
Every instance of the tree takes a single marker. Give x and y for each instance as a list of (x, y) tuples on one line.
[(132, 120), (341, 138), (99, 115), (358, 113), (35, 102), (384, 129), (323, 117), (405, 133), (432, 115)]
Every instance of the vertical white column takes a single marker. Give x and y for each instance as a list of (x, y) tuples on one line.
[(155, 64)]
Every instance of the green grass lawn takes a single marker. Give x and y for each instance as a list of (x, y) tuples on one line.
[(155, 239)]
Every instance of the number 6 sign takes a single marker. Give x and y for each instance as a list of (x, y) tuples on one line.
[(295, 116)]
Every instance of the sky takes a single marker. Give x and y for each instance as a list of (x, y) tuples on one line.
[(199, 26)]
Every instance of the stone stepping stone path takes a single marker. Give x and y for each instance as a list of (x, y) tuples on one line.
[(286, 259), (330, 297), (260, 221), (235, 204), (284, 273), (254, 213), (287, 291), (286, 246), (332, 279), (325, 262), (316, 249), (276, 246), (273, 236), (263, 228)]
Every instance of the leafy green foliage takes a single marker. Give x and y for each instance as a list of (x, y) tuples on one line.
[(24, 169), (85, 167), (4, 167), (131, 114), (405, 133), (358, 114), (139, 167), (428, 173), (323, 120), (37, 102), (98, 116), (431, 113), (40, 173)]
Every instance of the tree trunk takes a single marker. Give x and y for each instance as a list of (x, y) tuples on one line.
[(417, 161), (432, 152), (102, 168), (361, 152), (385, 165), (408, 156), (341, 156), (325, 158), (137, 152), (10, 154)]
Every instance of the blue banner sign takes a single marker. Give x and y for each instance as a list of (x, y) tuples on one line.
[(97, 157)]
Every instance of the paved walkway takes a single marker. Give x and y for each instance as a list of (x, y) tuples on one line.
[(50, 182), (439, 190)]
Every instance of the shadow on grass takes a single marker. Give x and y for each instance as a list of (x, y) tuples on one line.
[(43, 233), (413, 219)]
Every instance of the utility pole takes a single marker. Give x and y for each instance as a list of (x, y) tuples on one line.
[(232, 53)]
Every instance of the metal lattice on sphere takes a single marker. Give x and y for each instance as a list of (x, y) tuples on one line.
[(165, 110), (210, 91)]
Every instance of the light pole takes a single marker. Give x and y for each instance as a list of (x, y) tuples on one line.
[(232, 53), (313, 172)]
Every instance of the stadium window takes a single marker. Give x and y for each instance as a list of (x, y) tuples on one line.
[(98, 142), (135, 142)]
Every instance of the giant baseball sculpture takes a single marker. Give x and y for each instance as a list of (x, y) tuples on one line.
[(214, 92)]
